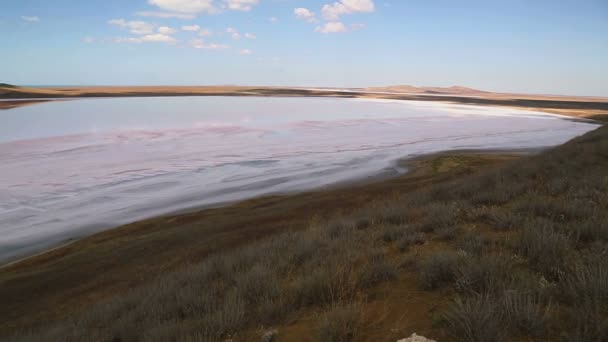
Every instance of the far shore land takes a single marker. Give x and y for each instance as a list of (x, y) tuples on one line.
[(595, 108)]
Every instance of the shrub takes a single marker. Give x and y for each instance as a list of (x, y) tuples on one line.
[(545, 248), (586, 282), (312, 287), (591, 229), (524, 313), (393, 214), (392, 233), (339, 324), (500, 219), (490, 274), (472, 243), (447, 233), (439, 215), (478, 318), (438, 269), (376, 271), (409, 239)]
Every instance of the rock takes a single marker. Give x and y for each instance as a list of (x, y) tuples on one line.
[(270, 336), (416, 338)]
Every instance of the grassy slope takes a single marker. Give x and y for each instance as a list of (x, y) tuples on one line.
[(515, 253)]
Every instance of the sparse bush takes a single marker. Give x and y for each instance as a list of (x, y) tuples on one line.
[(393, 214), (490, 274), (586, 282), (545, 248), (590, 323), (447, 233), (438, 269), (525, 313), (591, 229), (500, 219), (556, 209), (340, 324), (376, 271), (439, 215), (409, 239), (312, 287), (477, 318), (392, 233), (472, 243)]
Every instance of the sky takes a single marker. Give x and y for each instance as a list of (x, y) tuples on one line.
[(548, 47)]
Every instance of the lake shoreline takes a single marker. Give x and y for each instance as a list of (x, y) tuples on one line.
[(595, 108), (162, 244), (401, 167)]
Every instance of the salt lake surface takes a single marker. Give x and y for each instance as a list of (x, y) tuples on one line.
[(71, 168)]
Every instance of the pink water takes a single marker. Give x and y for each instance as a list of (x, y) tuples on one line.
[(71, 168)]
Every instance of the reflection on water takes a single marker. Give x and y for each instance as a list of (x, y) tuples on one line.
[(70, 168)]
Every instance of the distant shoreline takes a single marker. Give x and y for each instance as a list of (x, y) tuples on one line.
[(595, 108)]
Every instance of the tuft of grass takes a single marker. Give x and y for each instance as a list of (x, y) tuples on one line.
[(490, 274), (500, 219), (525, 313), (376, 271), (438, 269), (411, 238), (545, 248), (392, 233), (448, 233), (477, 318), (341, 323), (472, 243), (439, 215)]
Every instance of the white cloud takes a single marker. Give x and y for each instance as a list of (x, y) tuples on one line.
[(334, 11), (246, 52), (127, 40), (305, 14), (273, 19), (332, 27), (233, 33), (88, 40), (191, 28), (149, 38), (160, 38), (250, 35), (185, 6), (241, 5), (199, 44), (166, 30), (205, 33), (31, 19), (165, 15), (357, 26), (136, 27)]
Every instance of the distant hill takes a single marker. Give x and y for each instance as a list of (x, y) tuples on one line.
[(6, 85), (455, 90)]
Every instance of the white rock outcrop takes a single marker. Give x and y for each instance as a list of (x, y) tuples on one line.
[(416, 338)]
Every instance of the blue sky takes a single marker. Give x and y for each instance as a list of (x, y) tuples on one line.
[(536, 46)]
